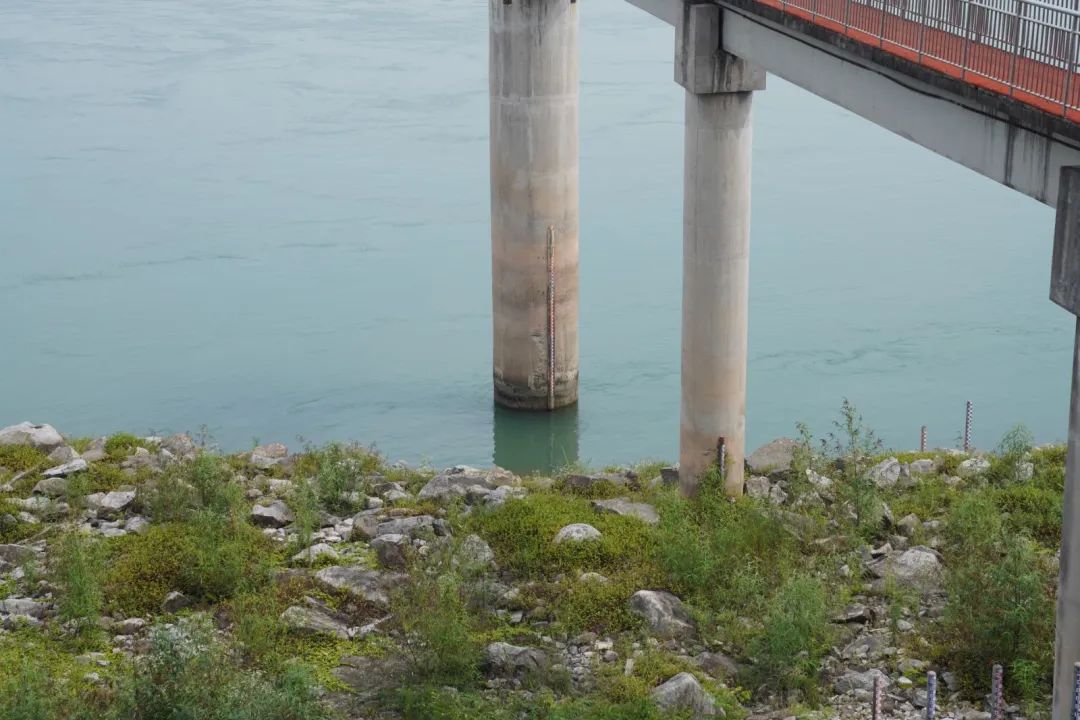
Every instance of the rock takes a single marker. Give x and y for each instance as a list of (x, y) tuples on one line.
[(758, 486), (911, 666), (852, 681), (577, 532), (116, 501), (417, 526), (181, 446), (513, 659), (51, 486), (265, 457), (973, 466), (772, 457), (669, 476), (175, 602), (316, 552), (276, 514), (922, 467), (867, 647), (975, 715), (455, 481), (623, 506), (137, 524), (18, 554), (368, 585), (885, 473), (368, 676), (392, 550), (64, 454), (365, 525), (42, 437), (312, 621), (918, 566), (129, 626), (819, 482), (854, 613), (683, 693), (77, 465), (587, 483), (501, 494), (25, 606), (717, 664), (475, 553), (664, 613), (909, 525), (777, 495), (1027, 471)]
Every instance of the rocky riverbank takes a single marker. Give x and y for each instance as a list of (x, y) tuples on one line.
[(329, 583)]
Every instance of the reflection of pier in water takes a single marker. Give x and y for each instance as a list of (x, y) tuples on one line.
[(535, 442)]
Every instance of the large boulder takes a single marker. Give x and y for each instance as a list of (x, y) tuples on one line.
[(63, 454), (371, 586), (852, 681), (885, 473), (51, 486), (180, 446), (475, 553), (392, 550), (115, 502), (773, 457), (76, 465), (42, 437), (623, 506), (317, 551), (456, 481), (577, 532), (918, 567), (925, 466), (683, 693), (275, 515), (513, 659), (265, 457), (664, 613), (757, 487), (312, 621), (415, 526)]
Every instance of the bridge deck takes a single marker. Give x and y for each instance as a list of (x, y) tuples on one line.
[(1022, 49)]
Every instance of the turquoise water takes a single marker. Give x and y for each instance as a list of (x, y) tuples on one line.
[(271, 218)]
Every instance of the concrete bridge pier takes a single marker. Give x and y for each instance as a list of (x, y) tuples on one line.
[(716, 245), (1065, 291), (534, 201)]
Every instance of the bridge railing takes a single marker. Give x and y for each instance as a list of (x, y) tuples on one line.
[(1027, 49)]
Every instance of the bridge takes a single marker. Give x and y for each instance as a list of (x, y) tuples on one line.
[(990, 84)]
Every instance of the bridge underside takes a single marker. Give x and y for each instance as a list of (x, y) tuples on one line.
[(997, 136)]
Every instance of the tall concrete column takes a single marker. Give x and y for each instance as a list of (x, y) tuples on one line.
[(1065, 291), (716, 245), (534, 201)]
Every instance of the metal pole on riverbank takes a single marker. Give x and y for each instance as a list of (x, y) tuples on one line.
[(931, 695), (533, 65)]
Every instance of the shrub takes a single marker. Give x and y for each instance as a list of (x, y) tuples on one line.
[(1012, 451), (120, 445), (190, 673), (78, 575), (1000, 601), (788, 650), (210, 559), (338, 469), (202, 485), (20, 458)]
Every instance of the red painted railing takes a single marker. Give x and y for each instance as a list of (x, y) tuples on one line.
[(1026, 49)]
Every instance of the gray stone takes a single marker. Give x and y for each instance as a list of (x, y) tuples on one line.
[(129, 626), (669, 476), (63, 454), (18, 554), (312, 621), (393, 496), (664, 613), (852, 681), (455, 481), (758, 486), (137, 524), (623, 506), (918, 566), (866, 647), (392, 550), (25, 606), (368, 585), (716, 664), (908, 525), (365, 525), (112, 503), (503, 493), (885, 473), (973, 466), (415, 526), (775, 456), (777, 495), (42, 437), (975, 715), (925, 466), (513, 659), (176, 601), (475, 553), (317, 551), (276, 514), (51, 486), (577, 532), (76, 465), (180, 445), (854, 613), (819, 482), (683, 693), (587, 483)]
